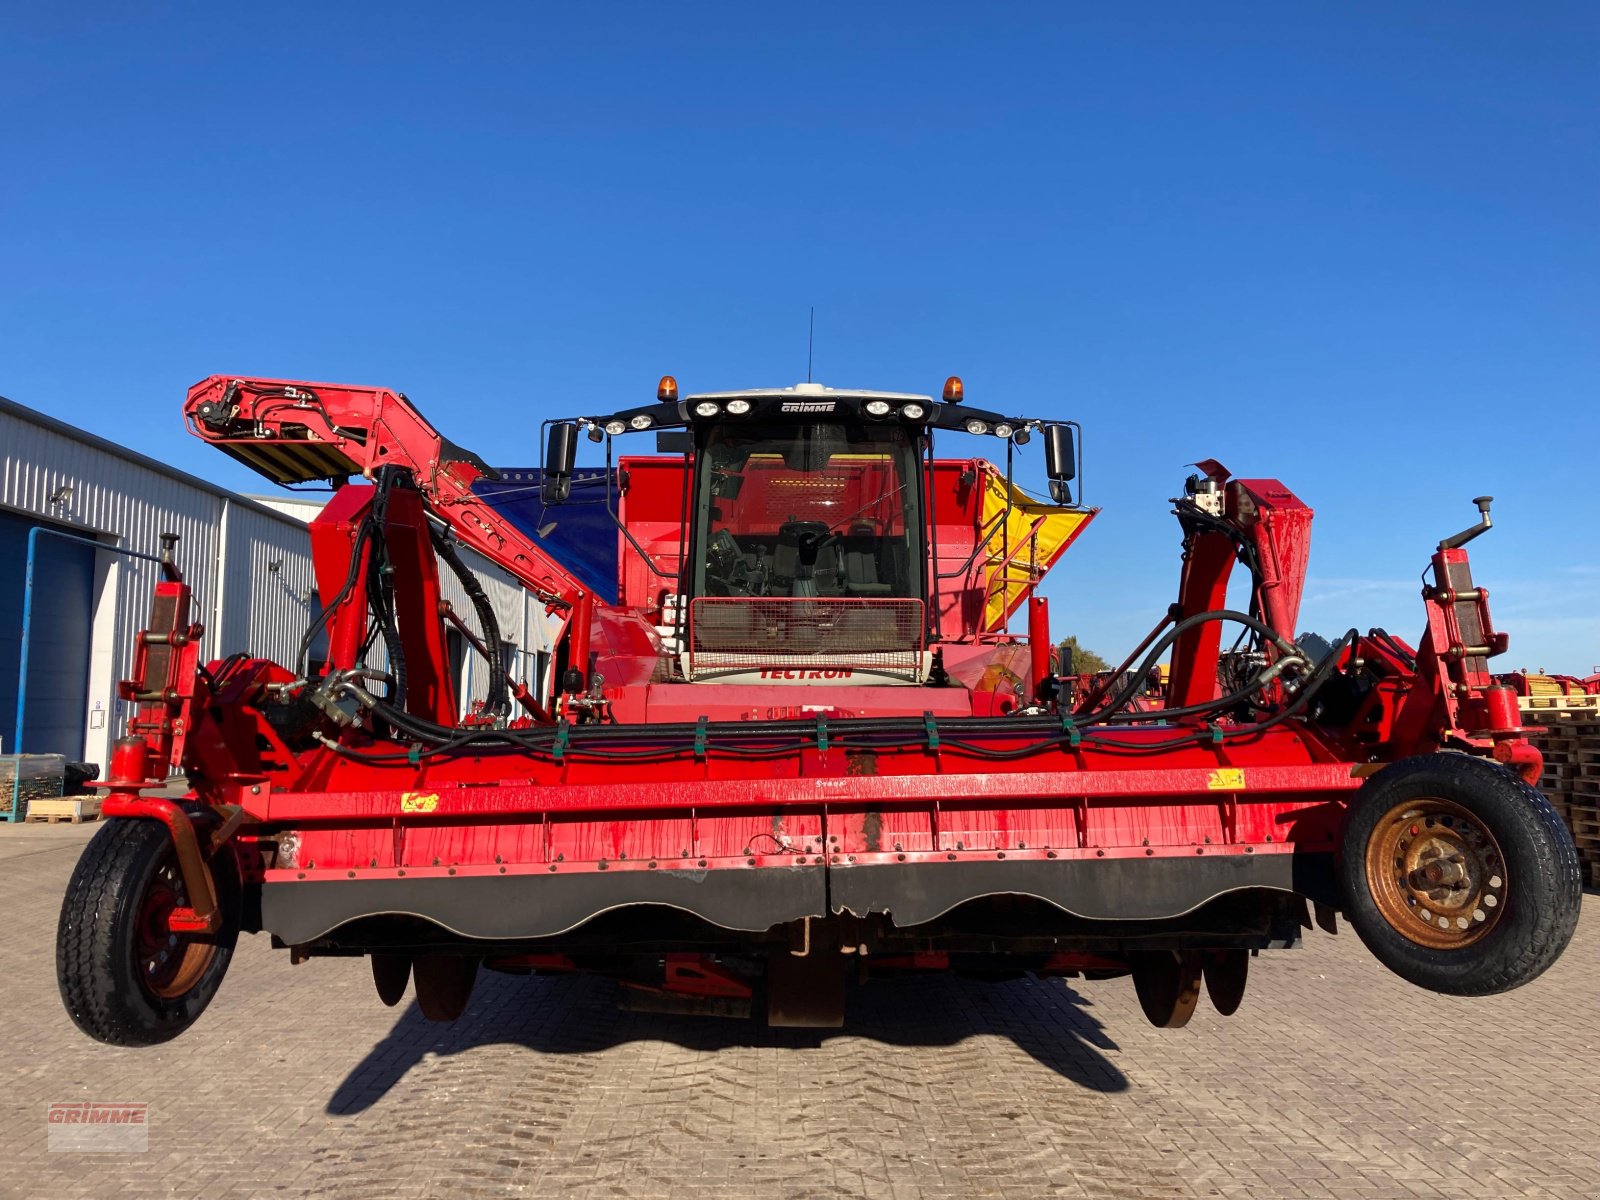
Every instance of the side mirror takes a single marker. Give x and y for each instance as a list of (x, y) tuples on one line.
[(560, 456), (1060, 461)]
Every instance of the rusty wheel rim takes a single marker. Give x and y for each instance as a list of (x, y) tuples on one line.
[(1436, 873), (167, 963)]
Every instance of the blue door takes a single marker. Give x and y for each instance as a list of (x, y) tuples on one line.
[(58, 647)]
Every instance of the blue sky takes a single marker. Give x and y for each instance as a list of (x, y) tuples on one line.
[(1352, 246)]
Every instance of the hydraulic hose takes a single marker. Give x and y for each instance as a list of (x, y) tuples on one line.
[(654, 743), (380, 591), (498, 700), (1113, 706), (302, 661)]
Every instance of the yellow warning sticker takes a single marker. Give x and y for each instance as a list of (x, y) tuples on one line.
[(1226, 779), (417, 802)]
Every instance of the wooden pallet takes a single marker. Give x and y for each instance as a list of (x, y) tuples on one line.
[(1568, 707), (1569, 740), (77, 809)]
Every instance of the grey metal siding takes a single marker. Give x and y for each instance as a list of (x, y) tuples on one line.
[(74, 480), (267, 594), (248, 561)]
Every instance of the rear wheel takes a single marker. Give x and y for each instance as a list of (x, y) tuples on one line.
[(1226, 973), (1168, 985), (1459, 876), (125, 977), (444, 984), (391, 973)]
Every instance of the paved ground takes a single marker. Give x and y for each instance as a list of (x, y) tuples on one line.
[(1335, 1079)]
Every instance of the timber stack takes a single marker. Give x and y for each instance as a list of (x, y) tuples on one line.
[(1571, 749), (26, 778)]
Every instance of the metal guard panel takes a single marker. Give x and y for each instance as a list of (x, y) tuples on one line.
[(500, 907), (1111, 889), (810, 633)]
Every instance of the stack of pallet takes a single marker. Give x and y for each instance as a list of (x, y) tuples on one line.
[(1571, 749), (26, 779)]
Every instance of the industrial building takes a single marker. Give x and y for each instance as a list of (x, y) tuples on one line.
[(81, 518)]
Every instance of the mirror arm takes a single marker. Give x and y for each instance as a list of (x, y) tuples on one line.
[(626, 532)]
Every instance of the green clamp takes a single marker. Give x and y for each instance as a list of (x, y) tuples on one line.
[(558, 749), (700, 738), (822, 734), (933, 731), (1216, 733), (414, 755), (1070, 728)]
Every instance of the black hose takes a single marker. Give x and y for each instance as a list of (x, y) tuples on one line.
[(1312, 682), (498, 701), (321, 620), (1387, 639), (663, 742), (380, 591), (1190, 514), (1110, 708)]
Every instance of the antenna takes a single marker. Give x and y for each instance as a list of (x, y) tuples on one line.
[(811, 341)]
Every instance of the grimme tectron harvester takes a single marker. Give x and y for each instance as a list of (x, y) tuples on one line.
[(787, 739)]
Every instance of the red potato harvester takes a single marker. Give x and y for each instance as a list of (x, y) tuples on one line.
[(787, 739)]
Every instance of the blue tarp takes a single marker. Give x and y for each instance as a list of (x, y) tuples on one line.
[(579, 533)]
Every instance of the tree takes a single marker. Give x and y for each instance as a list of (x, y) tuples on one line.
[(1073, 659)]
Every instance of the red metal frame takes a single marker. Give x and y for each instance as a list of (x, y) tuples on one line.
[(293, 431), (367, 812)]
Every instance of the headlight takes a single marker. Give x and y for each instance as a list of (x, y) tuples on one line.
[(616, 428), (642, 421), (1002, 430), (977, 426), (878, 408), (913, 411), (706, 408), (738, 407)]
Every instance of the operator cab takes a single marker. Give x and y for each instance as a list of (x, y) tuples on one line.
[(807, 550), (819, 509), (807, 544)]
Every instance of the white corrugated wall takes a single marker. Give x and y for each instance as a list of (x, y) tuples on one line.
[(267, 596), (79, 485)]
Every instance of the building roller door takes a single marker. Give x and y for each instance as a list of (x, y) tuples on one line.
[(58, 646)]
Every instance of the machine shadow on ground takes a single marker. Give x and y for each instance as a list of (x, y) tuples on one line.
[(579, 1015)]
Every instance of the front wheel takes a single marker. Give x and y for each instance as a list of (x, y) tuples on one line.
[(125, 977), (1458, 876)]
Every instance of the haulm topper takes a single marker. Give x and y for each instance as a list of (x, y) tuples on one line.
[(787, 741)]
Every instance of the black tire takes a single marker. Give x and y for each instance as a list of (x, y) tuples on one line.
[(1542, 886), (98, 939)]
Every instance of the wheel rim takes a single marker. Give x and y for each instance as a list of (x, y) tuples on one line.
[(168, 964), (1436, 873)]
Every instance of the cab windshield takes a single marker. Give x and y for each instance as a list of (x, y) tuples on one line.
[(809, 510)]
